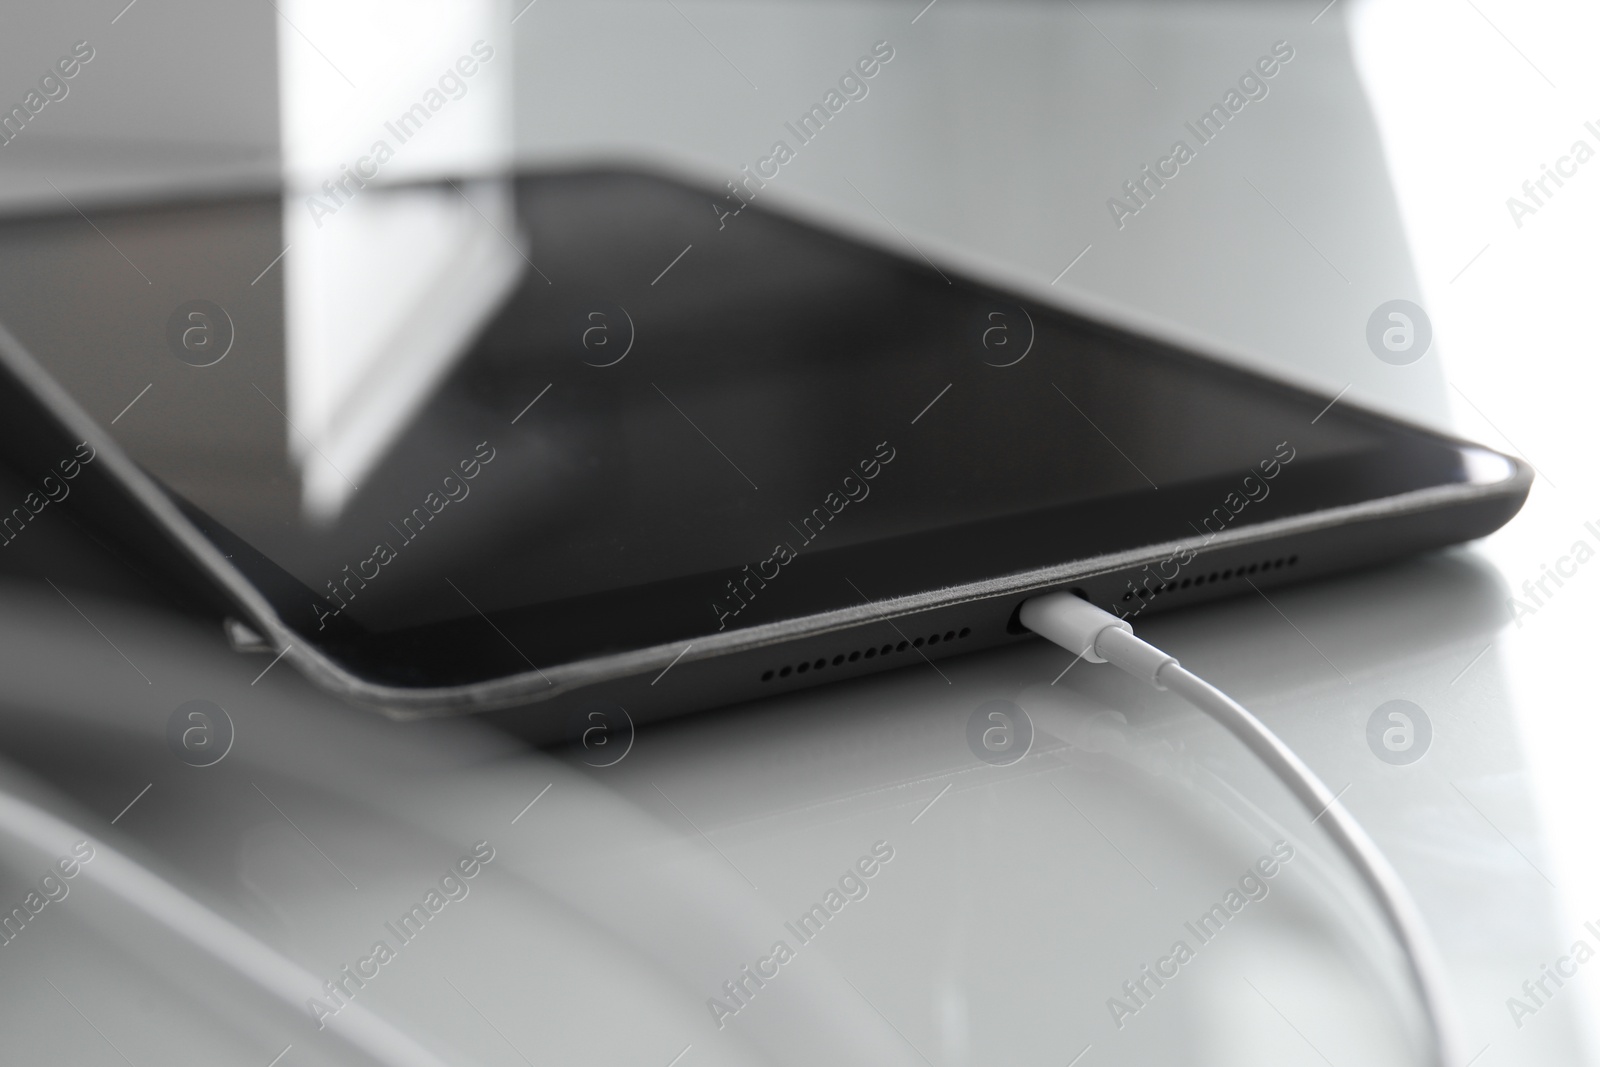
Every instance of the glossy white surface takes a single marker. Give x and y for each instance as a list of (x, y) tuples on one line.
[(1019, 898)]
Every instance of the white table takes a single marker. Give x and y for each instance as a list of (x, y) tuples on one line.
[(1019, 899)]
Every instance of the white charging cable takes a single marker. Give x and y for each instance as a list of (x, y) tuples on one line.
[(1100, 637)]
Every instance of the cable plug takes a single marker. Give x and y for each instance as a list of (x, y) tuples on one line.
[(1095, 634)]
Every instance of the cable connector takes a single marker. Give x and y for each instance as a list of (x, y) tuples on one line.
[(1071, 622), (1097, 635)]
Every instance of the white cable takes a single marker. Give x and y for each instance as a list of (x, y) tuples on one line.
[(1100, 637)]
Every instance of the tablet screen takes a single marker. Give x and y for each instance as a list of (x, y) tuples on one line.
[(533, 397)]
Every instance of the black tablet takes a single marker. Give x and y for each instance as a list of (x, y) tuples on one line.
[(608, 438)]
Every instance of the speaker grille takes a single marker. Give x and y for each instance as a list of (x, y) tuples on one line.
[(1231, 574), (839, 659)]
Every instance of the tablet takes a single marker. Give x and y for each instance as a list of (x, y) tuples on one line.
[(607, 437)]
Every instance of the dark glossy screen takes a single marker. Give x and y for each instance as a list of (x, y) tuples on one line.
[(593, 405)]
